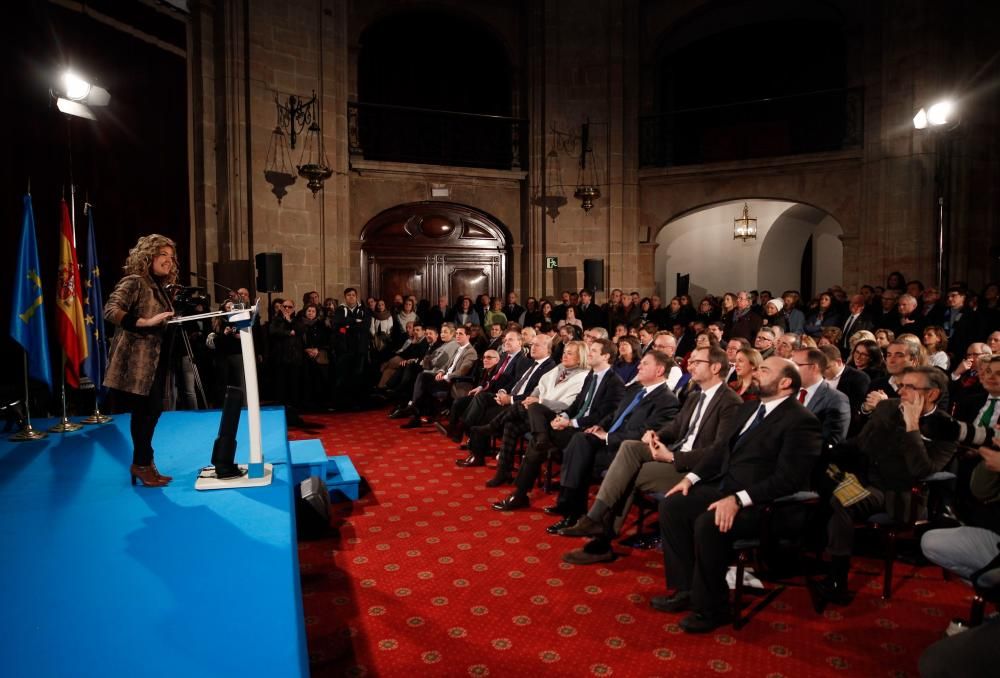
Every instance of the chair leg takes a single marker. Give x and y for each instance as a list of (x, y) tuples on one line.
[(890, 559), (741, 564)]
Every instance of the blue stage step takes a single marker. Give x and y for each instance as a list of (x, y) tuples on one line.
[(309, 459)]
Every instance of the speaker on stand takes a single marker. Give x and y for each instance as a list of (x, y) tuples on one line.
[(269, 275), (593, 275)]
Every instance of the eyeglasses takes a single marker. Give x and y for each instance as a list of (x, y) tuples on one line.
[(764, 338), (805, 364), (911, 387), (289, 306), (692, 361)]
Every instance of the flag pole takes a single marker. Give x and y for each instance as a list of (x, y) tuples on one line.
[(97, 417), (64, 425), (27, 432)]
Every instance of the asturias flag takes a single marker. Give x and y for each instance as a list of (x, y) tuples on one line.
[(93, 312), (69, 304), (27, 318)]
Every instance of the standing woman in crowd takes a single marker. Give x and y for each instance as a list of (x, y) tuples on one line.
[(571, 318), (407, 314), (496, 314), (531, 314), (707, 311), (896, 281), (466, 315), (746, 364), (316, 349), (883, 338), (383, 332), (139, 363)]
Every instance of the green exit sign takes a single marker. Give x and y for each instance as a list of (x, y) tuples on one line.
[(551, 262)]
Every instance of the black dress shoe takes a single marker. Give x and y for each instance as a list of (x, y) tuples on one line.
[(400, 412), (696, 622), (555, 510), (470, 461), (679, 602), (501, 478), (564, 523), (413, 423), (512, 502)]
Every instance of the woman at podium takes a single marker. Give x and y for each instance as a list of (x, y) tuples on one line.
[(139, 363)]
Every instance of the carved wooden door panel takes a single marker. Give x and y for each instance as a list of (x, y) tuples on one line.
[(470, 282), (433, 249), (402, 279)]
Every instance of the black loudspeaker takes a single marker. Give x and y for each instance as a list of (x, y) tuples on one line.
[(269, 277), (593, 274), (312, 508)]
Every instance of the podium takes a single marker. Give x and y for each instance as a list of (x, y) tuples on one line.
[(258, 473)]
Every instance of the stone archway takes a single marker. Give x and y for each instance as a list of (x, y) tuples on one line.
[(700, 244), (431, 249)]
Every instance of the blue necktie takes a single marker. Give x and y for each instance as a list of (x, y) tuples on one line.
[(628, 410), (761, 411)]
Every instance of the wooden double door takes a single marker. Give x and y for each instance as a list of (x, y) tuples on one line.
[(433, 249)]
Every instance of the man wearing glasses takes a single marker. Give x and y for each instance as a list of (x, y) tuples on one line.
[(831, 407), (900, 444)]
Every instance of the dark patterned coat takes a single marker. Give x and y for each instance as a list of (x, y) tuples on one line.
[(135, 351)]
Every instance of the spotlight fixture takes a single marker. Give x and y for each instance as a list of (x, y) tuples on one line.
[(940, 113), (75, 95)]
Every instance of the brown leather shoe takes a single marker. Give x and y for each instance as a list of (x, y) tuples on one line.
[(147, 474), (160, 475), (585, 527), (581, 557)]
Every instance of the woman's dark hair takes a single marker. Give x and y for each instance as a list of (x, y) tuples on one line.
[(634, 343), (875, 358), (900, 281)]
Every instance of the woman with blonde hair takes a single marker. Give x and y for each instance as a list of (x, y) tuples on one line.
[(746, 363), (860, 335), (139, 363)]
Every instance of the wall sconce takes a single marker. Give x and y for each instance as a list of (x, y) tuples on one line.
[(294, 116), (745, 227), (553, 198), (278, 165)]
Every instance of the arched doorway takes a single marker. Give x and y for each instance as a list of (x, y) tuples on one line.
[(798, 246), (432, 249)]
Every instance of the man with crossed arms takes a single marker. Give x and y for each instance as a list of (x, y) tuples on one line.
[(658, 461)]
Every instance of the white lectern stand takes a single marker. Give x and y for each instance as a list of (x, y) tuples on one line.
[(258, 473)]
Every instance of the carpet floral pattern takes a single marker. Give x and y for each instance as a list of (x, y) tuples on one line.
[(422, 575)]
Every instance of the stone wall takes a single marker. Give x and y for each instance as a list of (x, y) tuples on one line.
[(570, 66)]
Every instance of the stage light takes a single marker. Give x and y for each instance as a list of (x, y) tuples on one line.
[(920, 119), (940, 113), (75, 95), (75, 87)]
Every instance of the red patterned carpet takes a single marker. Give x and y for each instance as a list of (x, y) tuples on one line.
[(423, 575)]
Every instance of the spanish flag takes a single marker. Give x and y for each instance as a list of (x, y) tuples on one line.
[(70, 324)]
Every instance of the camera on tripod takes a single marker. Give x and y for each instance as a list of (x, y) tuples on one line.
[(189, 300)]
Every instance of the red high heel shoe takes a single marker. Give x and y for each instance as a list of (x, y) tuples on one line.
[(148, 476)]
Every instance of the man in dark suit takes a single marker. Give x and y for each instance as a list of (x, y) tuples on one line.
[(658, 461), (588, 312), (910, 319), (440, 314), (830, 406), (647, 404), (857, 320), (961, 323), (743, 322), (505, 374), (901, 443), (770, 451), (850, 381), (489, 405), (601, 394), (512, 310)]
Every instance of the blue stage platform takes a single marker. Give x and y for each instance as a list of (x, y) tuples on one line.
[(101, 578)]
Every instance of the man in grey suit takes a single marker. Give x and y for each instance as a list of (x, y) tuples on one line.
[(659, 461), (831, 407)]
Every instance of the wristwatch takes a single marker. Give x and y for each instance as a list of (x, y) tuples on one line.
[(739, 502)]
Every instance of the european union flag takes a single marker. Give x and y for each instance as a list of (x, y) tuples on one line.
[(96, 361), (27, 318)]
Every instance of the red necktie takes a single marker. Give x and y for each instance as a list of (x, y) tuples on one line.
[(802, 396)]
